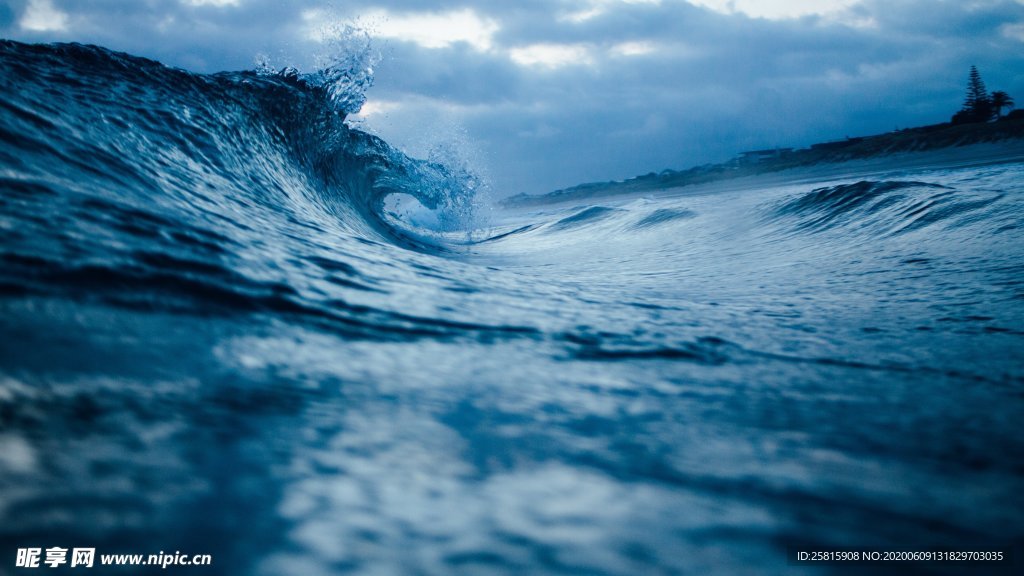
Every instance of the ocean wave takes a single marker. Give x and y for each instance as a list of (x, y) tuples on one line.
[(98, 123), (218, 309), (887, 207)]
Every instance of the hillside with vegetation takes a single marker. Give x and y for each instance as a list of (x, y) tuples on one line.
[(981, 120)]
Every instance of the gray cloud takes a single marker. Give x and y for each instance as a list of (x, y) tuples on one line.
[(653, 85)]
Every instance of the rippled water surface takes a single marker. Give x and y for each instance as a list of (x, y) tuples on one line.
[(217, 339)]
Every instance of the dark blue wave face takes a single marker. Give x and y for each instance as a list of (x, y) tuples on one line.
[(216, 339)]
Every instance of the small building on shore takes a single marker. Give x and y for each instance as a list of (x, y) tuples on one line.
[(836, 145), (758, 156)]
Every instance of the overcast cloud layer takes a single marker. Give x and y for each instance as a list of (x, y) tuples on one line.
[(546, 94)]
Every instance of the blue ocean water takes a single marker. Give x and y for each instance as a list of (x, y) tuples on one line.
[(218, 335)]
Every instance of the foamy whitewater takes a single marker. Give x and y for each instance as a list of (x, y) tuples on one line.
[(217, 338)]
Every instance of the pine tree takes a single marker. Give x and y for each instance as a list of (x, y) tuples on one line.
[(977, 104)]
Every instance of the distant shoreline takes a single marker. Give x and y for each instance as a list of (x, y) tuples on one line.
[(938, 145)]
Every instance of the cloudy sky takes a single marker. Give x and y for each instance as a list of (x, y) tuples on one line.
[(544, 94)]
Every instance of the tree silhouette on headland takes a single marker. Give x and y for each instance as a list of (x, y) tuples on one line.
[(1000, 100), (979, 105)]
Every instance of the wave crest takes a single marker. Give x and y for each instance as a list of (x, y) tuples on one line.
[(108, 125), (888, 207)]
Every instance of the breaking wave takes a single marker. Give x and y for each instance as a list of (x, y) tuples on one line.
[(232, 323)]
